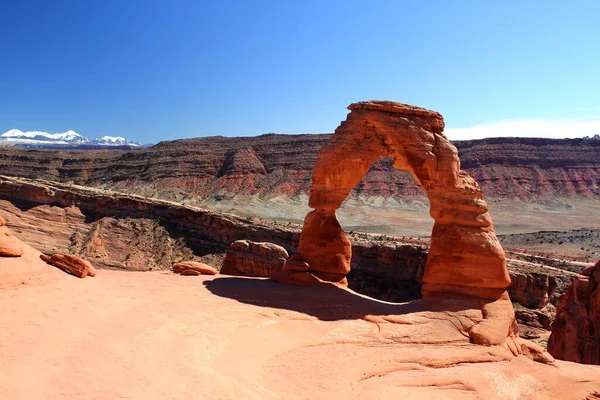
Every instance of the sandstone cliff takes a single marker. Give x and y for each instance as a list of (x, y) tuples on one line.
[(576, 330)]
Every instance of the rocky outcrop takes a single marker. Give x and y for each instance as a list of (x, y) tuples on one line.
[(247, 258), (576, 329), (71, 264), (534, 285), (185, 267), (20, 264), (465, 257), (9, 245)]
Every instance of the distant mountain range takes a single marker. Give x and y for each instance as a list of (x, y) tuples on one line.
[(67, 140), (278, 166)]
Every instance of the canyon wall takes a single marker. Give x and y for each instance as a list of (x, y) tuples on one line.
[(270, 165)]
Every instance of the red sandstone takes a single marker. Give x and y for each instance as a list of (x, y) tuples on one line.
[(465, 259)]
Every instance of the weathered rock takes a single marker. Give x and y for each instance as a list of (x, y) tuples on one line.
[(26, 268), (324, 245), (10, 246), (190, 272), (531, 289), (201, 268), (71, 264), (465, 257), (300, 266), (576, 329), (259, 259), (536, 286)]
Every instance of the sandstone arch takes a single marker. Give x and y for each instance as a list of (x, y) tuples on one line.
[(465, 259)]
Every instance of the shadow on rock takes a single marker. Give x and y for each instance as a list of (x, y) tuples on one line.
[(325, 302)]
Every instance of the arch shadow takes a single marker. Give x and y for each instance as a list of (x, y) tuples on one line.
[(326, 302)]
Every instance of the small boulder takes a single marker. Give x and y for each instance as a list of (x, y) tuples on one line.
[(71, 264), (200, 268), (258, 259)]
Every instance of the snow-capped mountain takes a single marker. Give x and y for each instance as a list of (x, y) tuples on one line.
[(114, 141), (69, 139), (15, 136)]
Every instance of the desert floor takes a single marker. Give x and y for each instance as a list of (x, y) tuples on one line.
[(157, 335)]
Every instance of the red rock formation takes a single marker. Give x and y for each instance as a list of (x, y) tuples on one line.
[(19, 263), (576, 329), (260, 259), (71, 264), (201, 268), (465, 258), (9, 245)]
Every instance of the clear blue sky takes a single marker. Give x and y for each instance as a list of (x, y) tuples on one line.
[(157, 70)]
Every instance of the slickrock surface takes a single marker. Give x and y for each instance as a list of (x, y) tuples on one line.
[(258, 259), (242, 338), (10, 246), (71, 264), (201, 268), (576, 329), (465, 257), (23, 267)]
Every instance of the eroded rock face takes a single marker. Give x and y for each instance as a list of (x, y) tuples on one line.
[(465, 258), (258, 259), (576, 329)]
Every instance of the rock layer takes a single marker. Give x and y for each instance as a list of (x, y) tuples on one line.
[(465, 258), (576, 329), (273, 164)]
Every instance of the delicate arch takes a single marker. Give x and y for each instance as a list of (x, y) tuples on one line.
[(465, 255)]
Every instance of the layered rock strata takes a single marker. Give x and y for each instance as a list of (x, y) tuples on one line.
[(267, 165), (465, 257)]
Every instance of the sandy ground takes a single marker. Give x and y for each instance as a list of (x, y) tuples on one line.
[(153, 335)]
